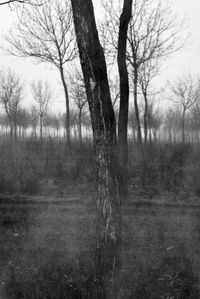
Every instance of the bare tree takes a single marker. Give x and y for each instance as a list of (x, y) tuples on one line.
[(4, 123), (87, 124), (77, 90), (153, 120), (11, 89), (154, 33), (146, 73), (45, 32), (132, 123), (23, 123), (42, 95), (52, 123), (172, 120), (56, 123), (185, 91), (34, 118), (114, 31), (124, 96)]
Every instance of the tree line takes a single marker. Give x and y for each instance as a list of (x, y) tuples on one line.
[(177, 123)]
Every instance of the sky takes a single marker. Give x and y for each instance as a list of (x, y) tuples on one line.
[(187, 60)]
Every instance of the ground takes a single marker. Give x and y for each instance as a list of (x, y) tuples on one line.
[(47, 248)]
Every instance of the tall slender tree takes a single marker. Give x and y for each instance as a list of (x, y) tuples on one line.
[(124, 95), (105, 142), (42, 95), (185, 91), (77, 91), (146, 74)]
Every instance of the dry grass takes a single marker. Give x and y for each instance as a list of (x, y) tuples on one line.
[(47, 250)]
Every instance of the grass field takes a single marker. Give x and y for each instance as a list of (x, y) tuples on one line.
[(47, 249)]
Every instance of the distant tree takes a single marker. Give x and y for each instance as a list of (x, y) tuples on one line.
[(11, 90), (45, 32), (192, 125), (48, 124), (52, 122), (133, 123), (4, 123), (153, 120), (86, 120), (23, 121), (42, 95), (172, 124), (146, 73), (77, 90), (195, 117), (73, 123), (34, 119), (184, 91), (153, 34), (56, 123)]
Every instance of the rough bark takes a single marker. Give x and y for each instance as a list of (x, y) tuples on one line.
[(124, 97), (104, 134)]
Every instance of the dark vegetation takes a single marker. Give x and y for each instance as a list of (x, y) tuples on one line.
[(29, 167), (50, 168)]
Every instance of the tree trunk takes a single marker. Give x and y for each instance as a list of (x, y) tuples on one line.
[(80, 126), (170, 135), (11, 128), (41, 128), (104, 134), (145, 116), (15, 129), (134, 137), (137, 114), (124, 98), (174, 134), (154, 135), (183, 127), (68, 135), (150, 138)]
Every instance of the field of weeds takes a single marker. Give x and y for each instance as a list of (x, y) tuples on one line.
[(47, 249)]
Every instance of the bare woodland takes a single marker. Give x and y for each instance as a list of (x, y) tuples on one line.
[(116, 140)]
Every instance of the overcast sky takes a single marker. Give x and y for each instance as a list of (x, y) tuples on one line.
[(184, 61)]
